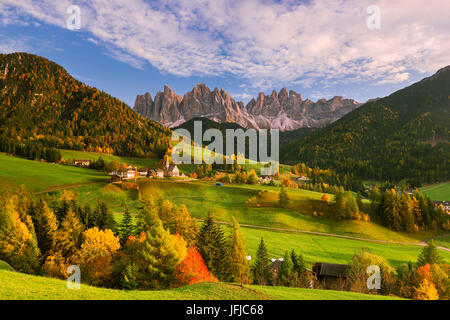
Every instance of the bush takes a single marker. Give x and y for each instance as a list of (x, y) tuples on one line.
[(357, 273)]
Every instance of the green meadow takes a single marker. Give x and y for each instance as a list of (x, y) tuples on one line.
[(5, 266), (25, 287), (443, 241), (201, 197), (329, 249), (437, 192), (39, 176)]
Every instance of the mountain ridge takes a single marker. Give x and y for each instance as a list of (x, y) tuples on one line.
[(283, 110)]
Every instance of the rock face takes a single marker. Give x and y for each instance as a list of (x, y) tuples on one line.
[(283, 110)]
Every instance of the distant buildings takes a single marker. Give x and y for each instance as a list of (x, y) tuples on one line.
[(131, 172), (156, 173), (445, 205), (82, 162), (172, 171)]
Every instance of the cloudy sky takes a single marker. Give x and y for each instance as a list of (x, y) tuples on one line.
[(320, 48)]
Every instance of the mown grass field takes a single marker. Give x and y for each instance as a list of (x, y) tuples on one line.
[(5, 266), (201, 197), (25, 287), (437, 192), (443, 242), (229, 200), (40, 176), (329, 249), (138, 162)]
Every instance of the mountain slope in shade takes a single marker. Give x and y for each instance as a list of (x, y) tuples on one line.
[(403, 136), (283, 110), (42, 105), (286, 137)]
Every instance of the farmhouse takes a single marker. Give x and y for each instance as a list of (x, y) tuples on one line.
[(275, 266), (81, 162), (172, 171), (330, 274), (131, 174), (143, 172), (156, 173)]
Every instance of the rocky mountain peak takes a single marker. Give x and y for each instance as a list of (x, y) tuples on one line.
[(285, 110)]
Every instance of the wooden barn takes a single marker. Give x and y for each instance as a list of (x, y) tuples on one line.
[(331, 275)]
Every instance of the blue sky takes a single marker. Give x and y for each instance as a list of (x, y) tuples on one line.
[(317, 48)]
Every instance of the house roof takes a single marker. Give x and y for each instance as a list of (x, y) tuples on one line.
[(172, 167), (276, 265), (332, 269)]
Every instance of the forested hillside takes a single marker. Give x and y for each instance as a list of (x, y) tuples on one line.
[(402, 136), (42, 106)]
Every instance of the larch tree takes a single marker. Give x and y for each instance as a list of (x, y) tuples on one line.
[(18, 246), (283, 198), (45, 225), (239, 265)]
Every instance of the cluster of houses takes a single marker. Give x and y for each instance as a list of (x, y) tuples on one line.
[(132, 173), (82, 162), (445, 205)]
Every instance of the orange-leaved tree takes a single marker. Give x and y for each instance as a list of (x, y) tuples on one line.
[(193, 269)]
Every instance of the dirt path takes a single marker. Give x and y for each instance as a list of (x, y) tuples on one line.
[(423, 243)]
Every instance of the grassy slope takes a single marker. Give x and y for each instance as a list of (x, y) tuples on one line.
[(314, 248), (283, 293), (39, 176), (5, 266), (229, 200), (443, 242), (26, 287), (328, 249), (438, 192), (138, 162)]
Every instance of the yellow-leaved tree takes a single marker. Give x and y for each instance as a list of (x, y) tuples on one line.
[(95, 257), (18, 246), (239, 265), (426, 291)]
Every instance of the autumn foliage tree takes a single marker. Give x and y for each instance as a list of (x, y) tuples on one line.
[(239, 265), (156, 253), (193, 269), (18, 245), (96, 256), (426, 290)]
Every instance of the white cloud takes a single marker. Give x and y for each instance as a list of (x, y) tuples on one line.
[(242, 96), (395, 78), (12, 45), (268, 44)]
